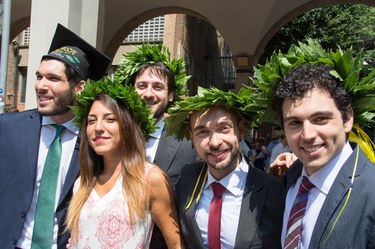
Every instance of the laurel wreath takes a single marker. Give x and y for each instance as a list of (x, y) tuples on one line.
[(347, 68), (177, 122), (124, 94), (149, 54)]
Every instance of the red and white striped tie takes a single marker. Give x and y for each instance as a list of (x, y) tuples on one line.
[(294, 227)]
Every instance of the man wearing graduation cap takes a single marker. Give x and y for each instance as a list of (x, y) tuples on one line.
[(36, 183)]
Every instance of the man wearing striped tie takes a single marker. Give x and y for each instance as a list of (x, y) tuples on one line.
[(330, 201)]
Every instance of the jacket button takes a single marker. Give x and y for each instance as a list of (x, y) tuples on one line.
[(23, 214), (14, 241)]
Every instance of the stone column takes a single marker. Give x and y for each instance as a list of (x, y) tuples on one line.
[(80, 16)]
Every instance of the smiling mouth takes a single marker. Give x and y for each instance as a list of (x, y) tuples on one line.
[(41, 99), (151, 103), (312, 148), (218, 153), (99, 138)]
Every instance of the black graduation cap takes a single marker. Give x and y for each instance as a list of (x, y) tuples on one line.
[(85, 59)]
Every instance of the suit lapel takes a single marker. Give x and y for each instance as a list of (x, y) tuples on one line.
[(166, 151), (32, 138), (253, 199), (335, 198), (293, 174), (193, 226), (72, 171), (190, 211)]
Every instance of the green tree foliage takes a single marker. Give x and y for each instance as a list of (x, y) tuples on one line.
[(346, 25)]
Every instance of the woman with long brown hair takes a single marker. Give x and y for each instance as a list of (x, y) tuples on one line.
[(119, 196)]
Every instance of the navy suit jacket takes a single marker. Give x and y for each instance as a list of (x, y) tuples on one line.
[(19, 145), (171, 156), (355, 228), (261, 212)]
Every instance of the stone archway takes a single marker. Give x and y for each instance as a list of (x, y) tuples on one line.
[(187, 35), (125, 28), (247, 26)]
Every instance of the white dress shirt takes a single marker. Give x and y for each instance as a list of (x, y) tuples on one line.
[(322, 180), (231, 205), (153, 141), (68, 141)]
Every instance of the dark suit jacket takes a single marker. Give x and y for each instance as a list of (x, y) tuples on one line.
[(356, 226), (19, 144), (171, 156), (261, 211)]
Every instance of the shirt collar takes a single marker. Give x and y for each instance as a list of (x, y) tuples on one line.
[(159, 130), (235, 180), (324, 177), (46, 120)]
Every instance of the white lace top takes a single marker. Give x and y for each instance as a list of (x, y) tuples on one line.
[(104, 222)]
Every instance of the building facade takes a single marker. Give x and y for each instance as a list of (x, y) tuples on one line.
[(208, 58)]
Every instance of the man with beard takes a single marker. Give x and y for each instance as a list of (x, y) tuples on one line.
[(223, 202), (34, 193), (159, 80)]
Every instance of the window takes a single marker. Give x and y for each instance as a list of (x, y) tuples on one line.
[(26, 37), (151, 31), (22, 84)]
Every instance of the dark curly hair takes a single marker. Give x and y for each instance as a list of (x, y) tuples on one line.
[(300, 80)]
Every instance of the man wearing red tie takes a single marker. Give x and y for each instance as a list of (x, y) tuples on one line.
[(224, 202)]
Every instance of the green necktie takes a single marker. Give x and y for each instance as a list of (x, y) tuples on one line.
[(45, 207)]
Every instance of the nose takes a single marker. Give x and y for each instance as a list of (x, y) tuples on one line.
[(215, 140), (308, 131), (148, 92), (99, 126), (40, 83)]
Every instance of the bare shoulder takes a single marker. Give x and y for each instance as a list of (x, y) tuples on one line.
[(76, 185), (155, 176)]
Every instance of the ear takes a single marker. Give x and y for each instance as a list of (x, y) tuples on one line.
[(348, 125), (79, 86), (170, 96)]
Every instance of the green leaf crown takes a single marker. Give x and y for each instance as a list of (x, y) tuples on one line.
[(346, 67), (178, 120), (149, 54), (124, 94)]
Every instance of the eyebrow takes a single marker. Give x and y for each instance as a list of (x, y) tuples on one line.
[(199, 127), (220, 123), (49, 75), (145, 82), (315, 114), (105, 115)]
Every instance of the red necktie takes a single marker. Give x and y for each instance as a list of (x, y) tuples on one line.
[(214, 216), (294, 227)]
